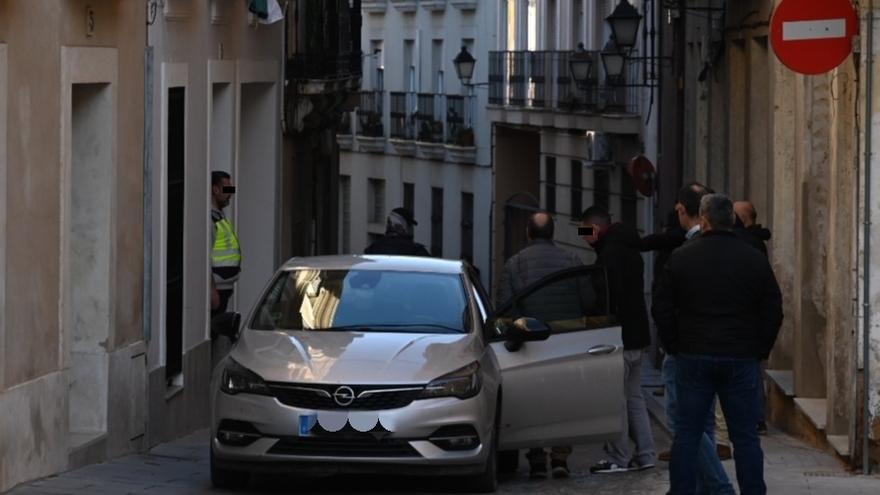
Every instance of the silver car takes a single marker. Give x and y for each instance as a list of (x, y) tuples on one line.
[(392, 364)]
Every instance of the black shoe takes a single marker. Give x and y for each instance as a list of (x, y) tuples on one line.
[(608, 467), (560, 469), (762, 428), (538, 471)]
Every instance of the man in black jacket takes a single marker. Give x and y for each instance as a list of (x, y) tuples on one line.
[(752, 232), (398, 237), (718, 309), (617, 249)]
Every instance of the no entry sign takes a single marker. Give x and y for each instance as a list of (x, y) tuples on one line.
[(813, 37)]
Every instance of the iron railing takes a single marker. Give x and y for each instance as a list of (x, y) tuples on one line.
[(541, 79), (429, 118), (403, 125), (369, 114)]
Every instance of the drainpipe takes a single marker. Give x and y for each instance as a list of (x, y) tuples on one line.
[(148, 191), (866, 305)]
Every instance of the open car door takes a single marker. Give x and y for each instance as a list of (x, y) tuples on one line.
[(567, 389)]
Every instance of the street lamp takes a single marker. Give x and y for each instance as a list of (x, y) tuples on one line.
[(612, 60), (624, 22), (464, 65), (580, 64)]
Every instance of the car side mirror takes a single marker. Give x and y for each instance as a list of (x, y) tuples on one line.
[(523, 330), (226, 324)]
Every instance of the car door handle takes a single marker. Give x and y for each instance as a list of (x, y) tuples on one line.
[(599, 350)]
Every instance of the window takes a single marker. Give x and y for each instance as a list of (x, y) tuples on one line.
[(437, 221), (571, 300), (601, 186), (373, 300), (550, 184), (629, 201), (577, 203), (437, 64), (467, 225), (376, 201), (345, 186), (409, 197)]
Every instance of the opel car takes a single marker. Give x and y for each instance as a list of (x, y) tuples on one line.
[(394, 364)]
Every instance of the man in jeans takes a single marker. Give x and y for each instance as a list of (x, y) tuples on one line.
[(718, 309), (617, 249)]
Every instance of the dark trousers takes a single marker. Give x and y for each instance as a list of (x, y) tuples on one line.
[(225, 294), (698, 380)]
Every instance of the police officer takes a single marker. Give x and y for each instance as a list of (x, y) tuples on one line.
[(225, 250)]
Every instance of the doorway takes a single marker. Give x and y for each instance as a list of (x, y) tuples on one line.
[(89, 246), (175, 185)]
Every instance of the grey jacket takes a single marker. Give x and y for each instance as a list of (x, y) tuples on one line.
[(537, 260)]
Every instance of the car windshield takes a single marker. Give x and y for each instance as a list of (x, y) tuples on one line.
[(364, 300)]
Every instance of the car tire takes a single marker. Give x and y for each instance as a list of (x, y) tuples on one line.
[(487, 481), (508, 461), (226, 478)]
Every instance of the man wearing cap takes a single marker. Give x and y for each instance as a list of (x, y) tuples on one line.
[(398, 237)]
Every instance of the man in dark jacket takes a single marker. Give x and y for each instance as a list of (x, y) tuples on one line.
[(753, 233), (617, 249), (718, 309), (398, 237), (540, 258)]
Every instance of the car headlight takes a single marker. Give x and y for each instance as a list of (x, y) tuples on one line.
[(463, 383), (239, 380)]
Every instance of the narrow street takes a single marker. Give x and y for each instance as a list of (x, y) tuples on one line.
[(181, 467)]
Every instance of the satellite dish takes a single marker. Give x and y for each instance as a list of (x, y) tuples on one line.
[(643, 175)]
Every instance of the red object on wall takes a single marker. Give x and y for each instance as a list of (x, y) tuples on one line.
[(813, 37)]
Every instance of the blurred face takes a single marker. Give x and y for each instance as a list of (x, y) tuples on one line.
[(222, 194), (594, 237)]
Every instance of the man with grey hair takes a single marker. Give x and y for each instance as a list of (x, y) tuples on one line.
[(718, 310)]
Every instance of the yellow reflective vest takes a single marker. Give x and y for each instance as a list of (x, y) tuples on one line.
[(226, 253)]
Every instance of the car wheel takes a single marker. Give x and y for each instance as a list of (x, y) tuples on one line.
[(487, 481), (225, 478), (508, 461)]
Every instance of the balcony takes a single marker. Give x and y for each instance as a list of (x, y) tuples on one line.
[(433, 5), (429, 124), (460, 145), (405, 5), (464, 4), (403, 124), (344, 132), (536, 88), (371, 131), (374, 6)]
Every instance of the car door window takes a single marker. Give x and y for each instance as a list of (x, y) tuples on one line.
[(570, 300)]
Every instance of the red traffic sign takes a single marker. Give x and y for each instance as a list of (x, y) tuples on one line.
[(813, 37)]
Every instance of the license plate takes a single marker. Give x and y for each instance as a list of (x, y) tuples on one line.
[(306, 423)]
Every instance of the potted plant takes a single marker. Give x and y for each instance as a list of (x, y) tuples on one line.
[(465, 137)]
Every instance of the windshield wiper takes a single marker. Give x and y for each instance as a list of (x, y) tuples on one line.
[(379, 327)]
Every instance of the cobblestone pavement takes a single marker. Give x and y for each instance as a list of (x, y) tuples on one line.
[(181, 467)]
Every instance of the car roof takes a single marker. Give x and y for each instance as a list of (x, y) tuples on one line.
[(375, 262)]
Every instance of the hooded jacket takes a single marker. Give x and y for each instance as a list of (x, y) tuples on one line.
[(618, 251)]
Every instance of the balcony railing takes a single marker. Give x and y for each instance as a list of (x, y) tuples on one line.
[(323, 66), (403, 125), (369, 114), (429, 118), (541, 80)]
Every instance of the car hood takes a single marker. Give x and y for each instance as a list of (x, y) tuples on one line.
[(353, 357)]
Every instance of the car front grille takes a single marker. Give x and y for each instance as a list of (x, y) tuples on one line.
[(366, 397), (344, 443)]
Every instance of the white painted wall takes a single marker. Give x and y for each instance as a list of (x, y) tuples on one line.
[(214, 49)]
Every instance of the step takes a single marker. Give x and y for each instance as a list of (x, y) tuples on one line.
[(815, 409), (784, 379), (840, 444)]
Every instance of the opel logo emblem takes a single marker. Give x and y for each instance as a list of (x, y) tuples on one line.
[(343, 396)]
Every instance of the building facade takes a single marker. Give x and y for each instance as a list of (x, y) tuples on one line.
[(72, 353), (418, 137), (563, 145), (214, 100), (794, 145)]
